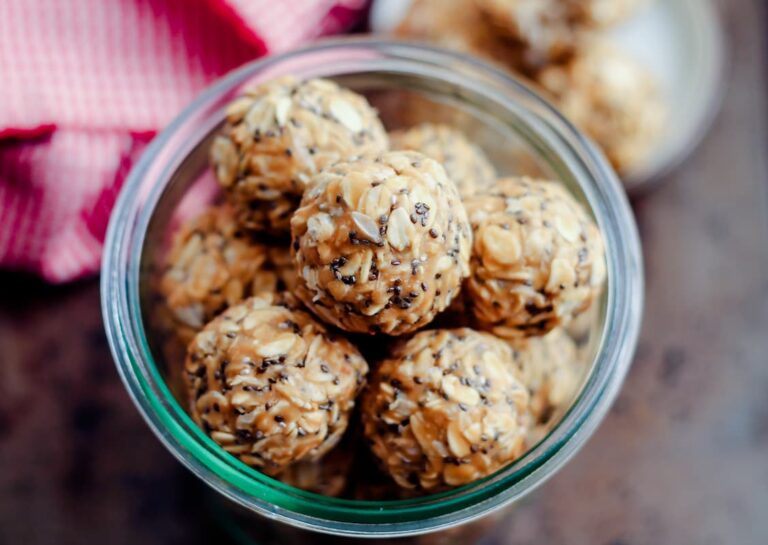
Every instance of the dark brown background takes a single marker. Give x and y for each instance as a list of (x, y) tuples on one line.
[(681, 459)]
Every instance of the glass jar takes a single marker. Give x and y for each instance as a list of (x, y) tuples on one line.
[(408, 83)]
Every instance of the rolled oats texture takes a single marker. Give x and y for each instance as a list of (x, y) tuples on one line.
[(212, 264), (612, 98), (381, 243), (465, 163), (270, 384), (281, 133), (445, 409), (538, 258)]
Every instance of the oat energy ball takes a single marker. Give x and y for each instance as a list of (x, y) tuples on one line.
[(538, 259), (466, 164), (381, 243), (551, 369), (212, 264), (445, 409), (270, 384), (551, 30), (459, 25), (548, 29), (614, 99), (278, 135)]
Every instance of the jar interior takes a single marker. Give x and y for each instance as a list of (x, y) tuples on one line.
[(403, 100)]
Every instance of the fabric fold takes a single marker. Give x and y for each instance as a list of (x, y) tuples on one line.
[(86, 83)]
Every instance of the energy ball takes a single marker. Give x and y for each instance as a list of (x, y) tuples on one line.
[(381, 243), (612, 98), (538, 258), (459, 25), (212, 264), (551, 30), (272, 385), (445, 409), (466, 164), (551, 369), (278, 135)]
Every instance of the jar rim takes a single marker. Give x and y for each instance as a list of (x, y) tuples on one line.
[(123, 321)]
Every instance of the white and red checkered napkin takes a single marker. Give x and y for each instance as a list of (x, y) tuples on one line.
[(85, 84)]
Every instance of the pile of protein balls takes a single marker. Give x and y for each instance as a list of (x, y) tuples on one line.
[(416, 285), (562, 48)]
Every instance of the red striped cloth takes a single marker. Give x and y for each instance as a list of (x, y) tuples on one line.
[(85, 84)]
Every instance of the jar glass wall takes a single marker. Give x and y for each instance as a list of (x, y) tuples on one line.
[(408, 84)]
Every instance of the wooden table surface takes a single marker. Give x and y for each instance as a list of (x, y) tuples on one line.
[(681, 459)]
